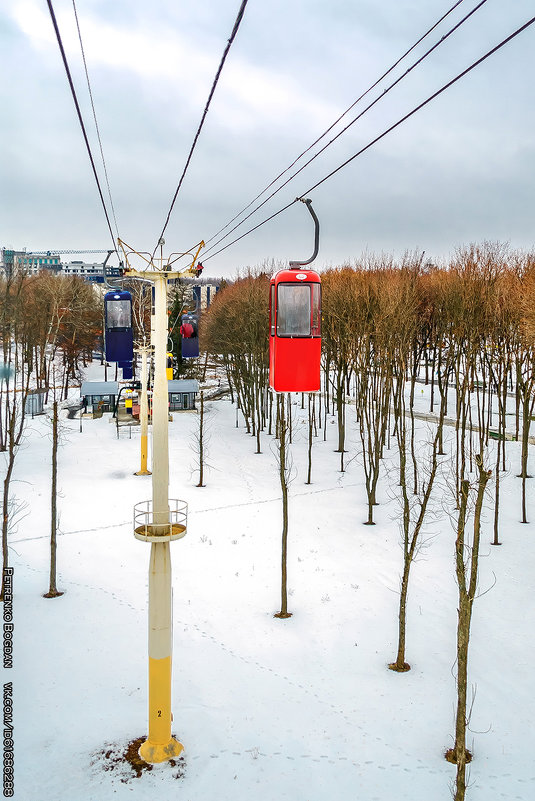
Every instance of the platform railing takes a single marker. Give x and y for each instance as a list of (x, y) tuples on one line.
[(146, 529)]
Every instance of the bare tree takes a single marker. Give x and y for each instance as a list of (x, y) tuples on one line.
[(466, 570), (414, 513), (15, 379), (284, 464), (311, 427), (235, 328), (53, 591), (201, 439)]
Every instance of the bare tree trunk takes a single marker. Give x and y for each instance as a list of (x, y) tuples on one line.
[(527, 409), (457, 754), (500, 382), (230, 383), (433, 371), (340, 410), (258, 418), (53, 590), (5, 520), (311, 416), (373, 412), (15, 408), (289, 418), (467, 562), (400, 666), (411, 526), (283, 475), (201, 442), (414, 375), (496, 540)]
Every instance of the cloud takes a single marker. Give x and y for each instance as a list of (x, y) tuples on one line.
[(248, 95), (439, 179), (34, 22)]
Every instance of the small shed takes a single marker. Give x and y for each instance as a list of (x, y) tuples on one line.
[(182, 393), (99, 395), (35, 402)]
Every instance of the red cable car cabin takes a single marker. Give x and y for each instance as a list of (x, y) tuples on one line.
[(295, 331)]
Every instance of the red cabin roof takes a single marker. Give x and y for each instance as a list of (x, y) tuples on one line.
[(296, 275)]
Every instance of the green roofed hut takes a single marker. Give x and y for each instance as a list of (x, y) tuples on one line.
[(99, 396), (182, 393)]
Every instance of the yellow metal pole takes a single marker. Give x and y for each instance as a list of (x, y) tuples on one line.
[(144, 412), (160, 745)]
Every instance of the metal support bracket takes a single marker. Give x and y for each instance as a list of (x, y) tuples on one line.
[(295, 265)]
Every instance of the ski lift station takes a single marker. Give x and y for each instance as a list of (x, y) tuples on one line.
[(101, 396)]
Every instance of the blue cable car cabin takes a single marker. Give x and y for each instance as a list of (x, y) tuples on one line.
[(118, 333), (189, 331), (295, 331)]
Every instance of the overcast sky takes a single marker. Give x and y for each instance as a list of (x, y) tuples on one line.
[(459, 171)]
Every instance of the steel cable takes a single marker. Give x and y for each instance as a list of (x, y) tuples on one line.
[(80, 119), (237, 23), (384, 133), (352, 122), (339, 119), (95, 118)]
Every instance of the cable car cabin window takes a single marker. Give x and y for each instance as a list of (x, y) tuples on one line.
[(316, 310), (118, 314), (272, 311), (293, 310)]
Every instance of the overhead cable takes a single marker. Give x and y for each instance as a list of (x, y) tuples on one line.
[(387, 131), (339, 119), (95, 117), (80, 119), (237, 23), (352, 122)]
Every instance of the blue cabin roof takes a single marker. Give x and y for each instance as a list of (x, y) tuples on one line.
[(183, 385), (99, 388)]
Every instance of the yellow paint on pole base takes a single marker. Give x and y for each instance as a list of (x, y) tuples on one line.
[(144, 451), (154, 753), (160, 746)]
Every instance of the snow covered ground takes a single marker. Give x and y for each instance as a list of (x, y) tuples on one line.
[(303, 709)]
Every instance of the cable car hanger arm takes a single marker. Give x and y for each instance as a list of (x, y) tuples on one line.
[(106, 282), (295, 265)]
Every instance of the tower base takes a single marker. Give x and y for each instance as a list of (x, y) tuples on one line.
[(157, 752)]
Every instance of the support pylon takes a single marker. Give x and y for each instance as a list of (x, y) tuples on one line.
[(159, 525), (159, 521)]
